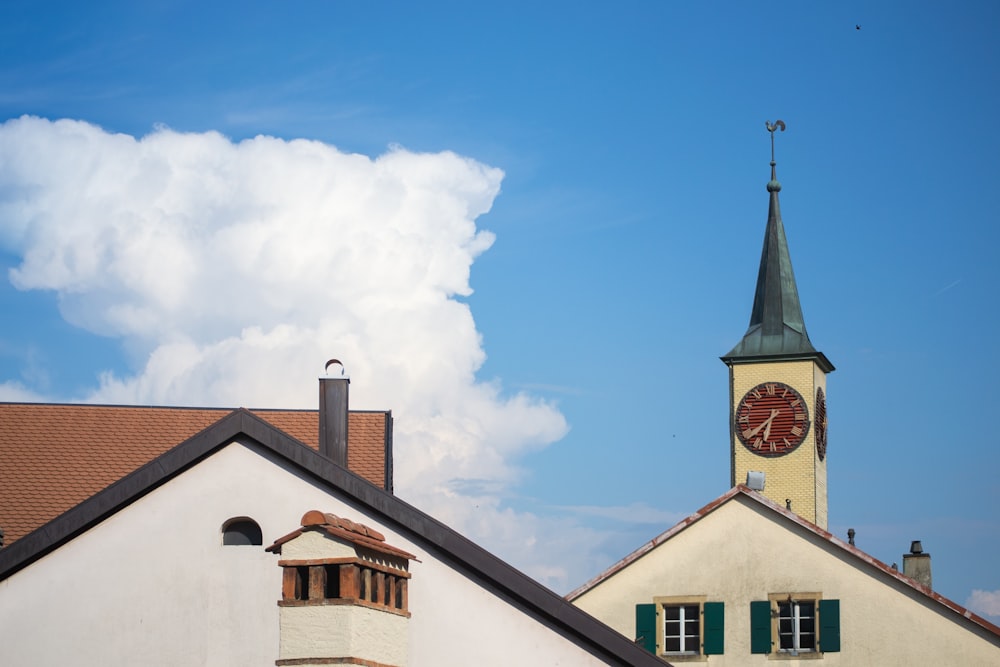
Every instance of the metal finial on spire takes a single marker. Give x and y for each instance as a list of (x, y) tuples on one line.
[(778, 124), (774, 185)]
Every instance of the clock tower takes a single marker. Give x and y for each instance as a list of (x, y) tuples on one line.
[(777, 383)]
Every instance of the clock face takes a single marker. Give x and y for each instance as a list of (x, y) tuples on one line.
[(772, 419), (820, 424)]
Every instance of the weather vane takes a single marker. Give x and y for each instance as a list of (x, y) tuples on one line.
[(778, 124)]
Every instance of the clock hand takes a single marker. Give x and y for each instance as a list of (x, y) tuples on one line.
[(766, 424), (770, 420)]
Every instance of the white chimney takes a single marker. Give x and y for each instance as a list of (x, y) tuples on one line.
[(917, 564)]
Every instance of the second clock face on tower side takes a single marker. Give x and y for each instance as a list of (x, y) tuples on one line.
[(772, 419), (820, 426)]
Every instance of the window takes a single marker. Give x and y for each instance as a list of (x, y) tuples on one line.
[(241, 531), (797, 626), (803, 623), (681, 627)]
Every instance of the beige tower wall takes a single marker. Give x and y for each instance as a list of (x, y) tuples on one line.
[(799, 476)]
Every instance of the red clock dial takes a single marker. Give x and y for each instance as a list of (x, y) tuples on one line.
[(772, 419)]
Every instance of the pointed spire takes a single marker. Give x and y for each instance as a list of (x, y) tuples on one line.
[(777, 328)]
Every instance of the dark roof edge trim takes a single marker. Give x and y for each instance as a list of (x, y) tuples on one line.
[(818, 357)]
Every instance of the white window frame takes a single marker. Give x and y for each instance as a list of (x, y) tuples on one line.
[(694, 651), (793, 602), (682, 623)]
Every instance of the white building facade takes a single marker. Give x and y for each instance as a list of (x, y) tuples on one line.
[(140, 573)]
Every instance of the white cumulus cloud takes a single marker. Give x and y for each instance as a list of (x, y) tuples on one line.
[(231, 271), (986, 603)]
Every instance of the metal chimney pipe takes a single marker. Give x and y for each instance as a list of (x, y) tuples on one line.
[(333, 402)]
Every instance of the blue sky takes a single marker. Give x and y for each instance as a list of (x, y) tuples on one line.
[(626, 229)]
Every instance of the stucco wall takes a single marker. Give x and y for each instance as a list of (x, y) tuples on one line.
[(315, 545), (738, 554), (324, 631), (153, 585)]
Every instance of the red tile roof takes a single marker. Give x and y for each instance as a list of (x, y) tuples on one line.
[(345, 529), (55, 456)]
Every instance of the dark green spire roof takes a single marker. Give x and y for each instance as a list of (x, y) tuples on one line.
[(777, 329)]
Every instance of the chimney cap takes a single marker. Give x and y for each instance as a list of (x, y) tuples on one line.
[(916, 547), (331, 362)]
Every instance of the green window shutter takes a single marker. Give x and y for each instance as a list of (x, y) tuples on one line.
[(714, 627), (645, 626), (829, 626), (760, 626)]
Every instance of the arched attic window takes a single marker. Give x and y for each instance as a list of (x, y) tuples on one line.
[(241, 531)]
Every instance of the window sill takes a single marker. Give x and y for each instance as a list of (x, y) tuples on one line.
[(787, 655), (684, 657)]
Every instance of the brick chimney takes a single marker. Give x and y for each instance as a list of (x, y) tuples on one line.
[(917, 564), (344, 595), (333, 414)]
